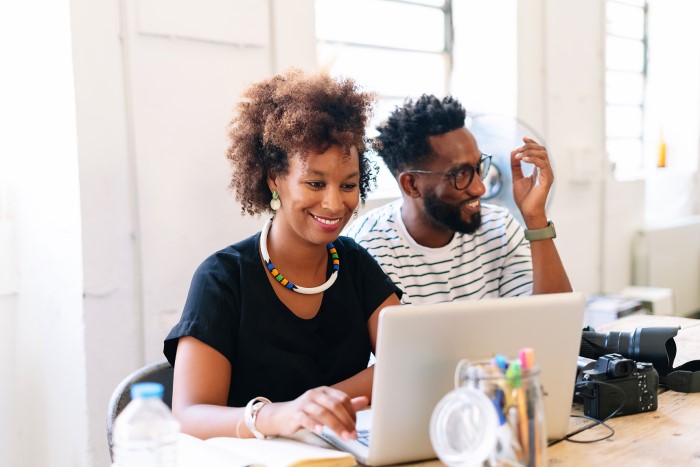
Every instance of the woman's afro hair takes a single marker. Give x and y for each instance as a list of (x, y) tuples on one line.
[(294, 113)]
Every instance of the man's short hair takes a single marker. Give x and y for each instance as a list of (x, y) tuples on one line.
[(403, 138)]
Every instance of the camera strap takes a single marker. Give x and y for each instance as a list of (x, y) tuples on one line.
[(685, 378)]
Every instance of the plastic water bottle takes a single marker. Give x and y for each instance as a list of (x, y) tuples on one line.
[(145, 432)]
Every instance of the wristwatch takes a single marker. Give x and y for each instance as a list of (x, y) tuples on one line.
[(541, 234)]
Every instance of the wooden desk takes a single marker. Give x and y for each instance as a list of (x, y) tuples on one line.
[(667, 436)]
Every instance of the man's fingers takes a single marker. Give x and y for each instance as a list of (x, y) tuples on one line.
[(530, 144), (515, 167)]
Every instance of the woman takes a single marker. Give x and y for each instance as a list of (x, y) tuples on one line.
[(288, 315)]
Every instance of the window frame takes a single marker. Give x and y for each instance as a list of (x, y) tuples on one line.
[(611, 104), (384, 188)]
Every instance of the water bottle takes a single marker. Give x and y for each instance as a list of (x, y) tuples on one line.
[(145, 432)]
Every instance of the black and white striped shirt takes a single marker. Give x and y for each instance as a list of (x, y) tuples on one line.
[(495, 261)]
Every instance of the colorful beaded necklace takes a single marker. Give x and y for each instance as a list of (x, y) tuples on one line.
[(289, 284)]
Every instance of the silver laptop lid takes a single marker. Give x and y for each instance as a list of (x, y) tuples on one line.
[(418, 347)]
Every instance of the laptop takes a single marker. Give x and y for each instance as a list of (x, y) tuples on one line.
[(418, 347)]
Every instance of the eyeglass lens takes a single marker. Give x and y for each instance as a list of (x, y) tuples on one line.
[(463, 179)]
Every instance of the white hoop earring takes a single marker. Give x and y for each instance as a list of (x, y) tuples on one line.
[(275, 202)]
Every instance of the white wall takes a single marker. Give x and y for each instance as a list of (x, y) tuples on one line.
[(185, 78), (562, 93), (46, 423), (123, 192), (9, 285), (156, 85), (561, 89), (111, 285), (673, 108), (8, 344), (485, 68)]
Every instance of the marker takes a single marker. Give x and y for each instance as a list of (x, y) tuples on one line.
[(501, 362), (527, 358), (500, 403), (514, 376), (527, 361)]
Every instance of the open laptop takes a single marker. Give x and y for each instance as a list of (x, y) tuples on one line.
[(418, 347)]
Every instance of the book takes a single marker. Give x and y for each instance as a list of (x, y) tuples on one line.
[(303, 451)]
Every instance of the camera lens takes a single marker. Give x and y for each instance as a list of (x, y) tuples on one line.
[(653, 344)]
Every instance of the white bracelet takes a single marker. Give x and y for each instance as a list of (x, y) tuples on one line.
[(251, 414)]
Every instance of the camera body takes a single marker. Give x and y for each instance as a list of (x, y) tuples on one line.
[(637, 381)]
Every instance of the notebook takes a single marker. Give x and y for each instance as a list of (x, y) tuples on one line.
[(418, 347)]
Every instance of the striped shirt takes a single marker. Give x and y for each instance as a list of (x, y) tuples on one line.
[(495, 261)]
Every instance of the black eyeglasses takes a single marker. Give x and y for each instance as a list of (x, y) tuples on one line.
[(463, 177)]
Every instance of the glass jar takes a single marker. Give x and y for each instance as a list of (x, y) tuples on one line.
[(495, 417)]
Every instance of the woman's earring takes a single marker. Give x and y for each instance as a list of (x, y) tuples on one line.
[(275, 202), (354, 214)]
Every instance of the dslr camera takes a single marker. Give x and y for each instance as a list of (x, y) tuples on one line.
[(616, 383)]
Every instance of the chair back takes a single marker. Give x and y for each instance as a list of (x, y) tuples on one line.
[(156, 372)]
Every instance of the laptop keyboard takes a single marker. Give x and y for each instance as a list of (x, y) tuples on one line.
[(363, 437)]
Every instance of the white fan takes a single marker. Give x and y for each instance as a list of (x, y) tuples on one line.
[(498, 135)]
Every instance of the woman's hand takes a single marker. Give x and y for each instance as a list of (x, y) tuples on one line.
[(312, 410), (531, 192)]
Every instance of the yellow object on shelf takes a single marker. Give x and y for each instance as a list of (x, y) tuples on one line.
[(661, 162)]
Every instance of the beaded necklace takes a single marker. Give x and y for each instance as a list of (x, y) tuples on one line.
[(289, 284)]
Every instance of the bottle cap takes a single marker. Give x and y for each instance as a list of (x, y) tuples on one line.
[(463, 427), (146, 390)]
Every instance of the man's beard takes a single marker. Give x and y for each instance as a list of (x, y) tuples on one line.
[(449, 215)]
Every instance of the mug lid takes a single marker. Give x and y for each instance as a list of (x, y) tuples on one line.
[(463, 427)]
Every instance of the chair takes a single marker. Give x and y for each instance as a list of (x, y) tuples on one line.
[(157, 372)]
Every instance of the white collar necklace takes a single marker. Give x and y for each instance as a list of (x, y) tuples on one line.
[(287, 283)]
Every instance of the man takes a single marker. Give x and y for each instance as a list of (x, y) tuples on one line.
[(439, 243)]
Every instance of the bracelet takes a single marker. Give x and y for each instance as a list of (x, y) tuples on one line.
[(238, 428), (251, 414)]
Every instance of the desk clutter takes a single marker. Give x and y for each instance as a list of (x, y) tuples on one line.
[(636, 438), (633, 300), (619, 373), (466, 430), (666, 436), (602, 309)]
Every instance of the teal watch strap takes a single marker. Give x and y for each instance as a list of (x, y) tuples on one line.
[(541, 234)]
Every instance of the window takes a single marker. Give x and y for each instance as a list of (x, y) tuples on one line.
[(625, 80), (353, 40)]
